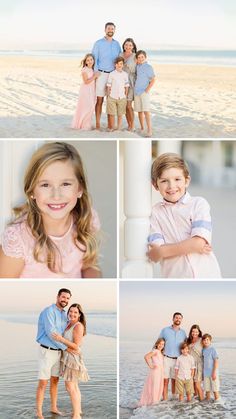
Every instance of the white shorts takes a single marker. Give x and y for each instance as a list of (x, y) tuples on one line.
[(142, 102), (211, 385), (101, 84), (169, 367), (49, 363)]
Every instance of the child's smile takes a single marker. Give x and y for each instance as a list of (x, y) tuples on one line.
[(172, 184), (57, 191), (206, 343), (89, 62)]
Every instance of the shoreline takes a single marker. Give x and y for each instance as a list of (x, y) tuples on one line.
[(156, 57)]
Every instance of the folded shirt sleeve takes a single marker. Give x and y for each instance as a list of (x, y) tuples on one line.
[(201, 220), (156, 235)]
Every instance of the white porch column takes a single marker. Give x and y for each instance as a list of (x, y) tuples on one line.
[(137, 208), (168, 146), (14, 157)]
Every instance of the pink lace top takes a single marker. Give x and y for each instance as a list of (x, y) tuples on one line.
[(18, 242)]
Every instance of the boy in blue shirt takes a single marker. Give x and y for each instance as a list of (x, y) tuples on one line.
[(144, 82), (210, 368)]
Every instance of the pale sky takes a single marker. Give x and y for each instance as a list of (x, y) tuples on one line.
[(21, 296), (160, 23), (146, 307)]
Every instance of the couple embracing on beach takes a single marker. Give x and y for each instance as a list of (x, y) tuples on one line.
[(122, 76), (60, 336), (189, 362)]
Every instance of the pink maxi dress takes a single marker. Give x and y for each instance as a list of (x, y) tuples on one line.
[(153, 387), (86, 103)]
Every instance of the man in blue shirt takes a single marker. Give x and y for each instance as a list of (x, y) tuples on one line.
[(51, 319), (105, 51), (173, 336)]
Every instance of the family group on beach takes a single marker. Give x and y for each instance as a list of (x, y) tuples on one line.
[(188, 362), (60, 337), (120, 75)]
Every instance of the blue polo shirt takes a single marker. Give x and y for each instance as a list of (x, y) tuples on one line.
[(173, 339), (145, 74), (105, 52), (209, 356), (51, 319)]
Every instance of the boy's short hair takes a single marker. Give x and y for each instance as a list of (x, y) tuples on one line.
[(110, 24), (141, 51), (183, 345), (206, 335), (118, 59), (168, 161)]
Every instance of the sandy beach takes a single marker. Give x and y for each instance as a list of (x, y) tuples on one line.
[(39, 94)]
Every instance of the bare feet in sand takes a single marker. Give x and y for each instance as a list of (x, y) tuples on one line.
[(57, 412)]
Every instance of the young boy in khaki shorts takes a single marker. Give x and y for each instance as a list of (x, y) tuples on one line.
[(117, 91), (144, 81), (184, 371)]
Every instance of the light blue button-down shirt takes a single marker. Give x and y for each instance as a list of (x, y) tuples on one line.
[(105, 52), (173, 339), (51, 319), (145, 74)]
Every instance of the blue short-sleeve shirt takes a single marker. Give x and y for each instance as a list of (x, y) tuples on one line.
[(173, 339), (145, 74), (209, 356)]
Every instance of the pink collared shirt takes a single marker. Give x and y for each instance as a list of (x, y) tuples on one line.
[(184, 365), (173, 223), (118, 80)]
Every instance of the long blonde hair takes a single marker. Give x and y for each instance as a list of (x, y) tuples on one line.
[(82, 212)]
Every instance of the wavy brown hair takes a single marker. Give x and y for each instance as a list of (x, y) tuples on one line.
[(45, 250), (82, 318), (190, 338)]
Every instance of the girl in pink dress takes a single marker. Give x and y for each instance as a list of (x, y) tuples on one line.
[(87, 95), (54, 233), (153, 387)]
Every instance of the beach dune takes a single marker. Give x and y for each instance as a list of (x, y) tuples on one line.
[(39, 95)]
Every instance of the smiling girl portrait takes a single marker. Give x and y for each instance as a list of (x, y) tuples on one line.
[(55, 231)]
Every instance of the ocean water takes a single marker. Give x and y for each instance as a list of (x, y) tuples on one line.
[(161, 56), (18, 369), (133, 372), (98, 323)]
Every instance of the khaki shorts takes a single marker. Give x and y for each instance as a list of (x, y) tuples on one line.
[(180, 385), (211, 385), (169, 367), (116, 106), (49, 363), (142, 102), (101, 84)]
